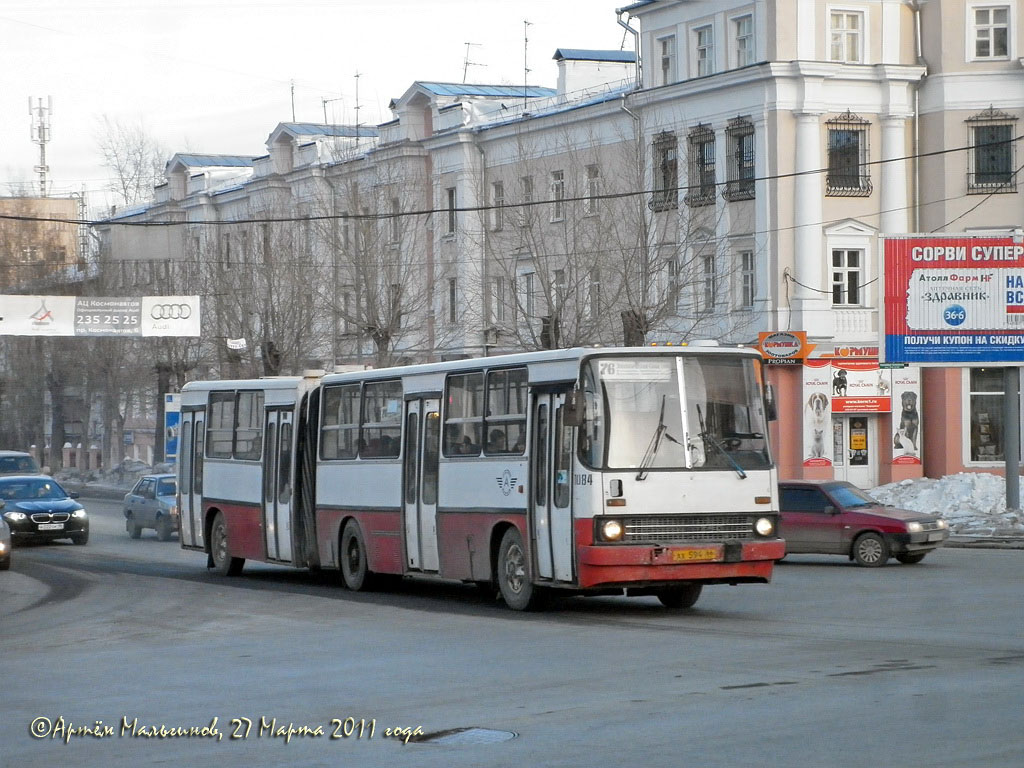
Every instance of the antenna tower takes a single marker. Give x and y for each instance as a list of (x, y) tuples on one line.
[(466, 63), (526, 68), (41, 136)]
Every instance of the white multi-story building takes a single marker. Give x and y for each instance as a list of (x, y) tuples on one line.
[(731, 181)]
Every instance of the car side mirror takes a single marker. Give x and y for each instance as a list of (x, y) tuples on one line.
[(830, 510), (73, 494)]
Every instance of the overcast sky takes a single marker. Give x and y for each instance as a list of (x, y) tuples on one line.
[(216, 76)]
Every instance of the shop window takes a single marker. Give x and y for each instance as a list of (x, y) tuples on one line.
[(986, 409)]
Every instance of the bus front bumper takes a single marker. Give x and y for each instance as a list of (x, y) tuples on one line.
[(733, 562)]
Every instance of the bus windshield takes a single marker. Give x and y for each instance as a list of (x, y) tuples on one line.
[(673, 412)]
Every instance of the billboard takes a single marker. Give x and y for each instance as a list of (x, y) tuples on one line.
[(953, 299), (172, 425), (139, 316)]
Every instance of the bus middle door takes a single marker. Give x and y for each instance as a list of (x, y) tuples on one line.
[(420, 456)]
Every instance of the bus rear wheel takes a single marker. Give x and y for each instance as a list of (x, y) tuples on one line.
[(355, 571), (684, 596), (223, 563), (514, 582)]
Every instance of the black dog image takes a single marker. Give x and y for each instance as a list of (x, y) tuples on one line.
[(910, 420), (839, 383)]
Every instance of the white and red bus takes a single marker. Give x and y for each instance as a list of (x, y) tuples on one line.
[(643, 471)]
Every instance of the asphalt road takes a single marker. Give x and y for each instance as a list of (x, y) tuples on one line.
[(830, 665)]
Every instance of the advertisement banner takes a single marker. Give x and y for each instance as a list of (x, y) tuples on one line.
[(953, 299), (172, 423), (817, 414), (906, 416), (860, 386), (141, 316)]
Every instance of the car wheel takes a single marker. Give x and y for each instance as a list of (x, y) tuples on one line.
[(223, 563), (164, 529), (870, 550), (684, 596), (911, 558), (355, 571), (514, 583), (133, 528), (80, 538)]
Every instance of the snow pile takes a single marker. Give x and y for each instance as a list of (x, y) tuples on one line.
[(973, 503)]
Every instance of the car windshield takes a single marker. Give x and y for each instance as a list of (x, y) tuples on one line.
[(24, 490), (848, 496), (166, 487), (673, 411), (14, 464)]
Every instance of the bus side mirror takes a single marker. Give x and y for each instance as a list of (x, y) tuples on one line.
[(572, 410), (770, 410)]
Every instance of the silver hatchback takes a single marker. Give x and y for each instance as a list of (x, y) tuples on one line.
[(152, 503)]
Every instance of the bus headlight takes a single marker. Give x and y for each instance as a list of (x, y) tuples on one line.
[(764, 526), (612, 530)]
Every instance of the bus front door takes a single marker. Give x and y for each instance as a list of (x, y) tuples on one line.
[(419, 482), (190, 478), (278, 484), (551, 488)]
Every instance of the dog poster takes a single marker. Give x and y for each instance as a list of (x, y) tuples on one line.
[(817, 415), (906, 416)]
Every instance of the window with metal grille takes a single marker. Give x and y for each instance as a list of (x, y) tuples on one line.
[(740, 173), (847, 174), (991, 163), (666, 172), (701, 188)]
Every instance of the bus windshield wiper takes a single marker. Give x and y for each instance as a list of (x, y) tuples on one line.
[(709, 439), (661, 431)]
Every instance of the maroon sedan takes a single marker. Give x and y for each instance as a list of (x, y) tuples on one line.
[(833, 517)]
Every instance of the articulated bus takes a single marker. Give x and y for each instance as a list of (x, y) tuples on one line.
[(637, 471)]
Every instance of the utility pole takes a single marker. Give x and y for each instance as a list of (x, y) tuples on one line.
[(41, 135)]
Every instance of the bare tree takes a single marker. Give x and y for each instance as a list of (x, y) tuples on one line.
[(134, 157)]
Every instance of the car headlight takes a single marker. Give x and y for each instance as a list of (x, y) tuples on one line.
[(79, 513), (612, 530), (915, 527), (173, 511), (943, 524), (15, 517), (764, 526)]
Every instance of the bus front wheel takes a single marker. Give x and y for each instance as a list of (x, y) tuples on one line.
[(514, 583), (684, 596), (354, 569)]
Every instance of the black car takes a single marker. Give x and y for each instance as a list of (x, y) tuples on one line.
[(37, 508)]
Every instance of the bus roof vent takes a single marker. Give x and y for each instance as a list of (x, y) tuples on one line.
[(704, 343), (313, 373)]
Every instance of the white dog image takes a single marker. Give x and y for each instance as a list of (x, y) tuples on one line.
[(817, 415)]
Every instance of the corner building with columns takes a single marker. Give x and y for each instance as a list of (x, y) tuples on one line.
[(731, 181)]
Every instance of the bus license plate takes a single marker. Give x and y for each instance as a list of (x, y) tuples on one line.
[(689, 555), (51, 526)]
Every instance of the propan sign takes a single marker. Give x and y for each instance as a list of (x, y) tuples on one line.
[(139, 316)]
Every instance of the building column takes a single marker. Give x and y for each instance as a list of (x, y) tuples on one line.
[(812, 309), (895, 213)]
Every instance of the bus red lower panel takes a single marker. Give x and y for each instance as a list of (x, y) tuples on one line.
[(626, 564), (245, 529), (464, 540), (381, 529)]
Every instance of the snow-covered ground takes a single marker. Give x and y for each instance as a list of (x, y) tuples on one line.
[(973, 503)]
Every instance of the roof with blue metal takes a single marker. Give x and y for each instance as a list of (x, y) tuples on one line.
[(206, 161), (497, 91), (319, 129), (582, 54)]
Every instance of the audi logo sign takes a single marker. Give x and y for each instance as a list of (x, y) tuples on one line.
[(170, 312)]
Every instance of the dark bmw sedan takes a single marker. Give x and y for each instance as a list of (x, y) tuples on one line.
[(37, 508)]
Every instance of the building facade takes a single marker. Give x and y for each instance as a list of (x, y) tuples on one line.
[(731, 181)]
